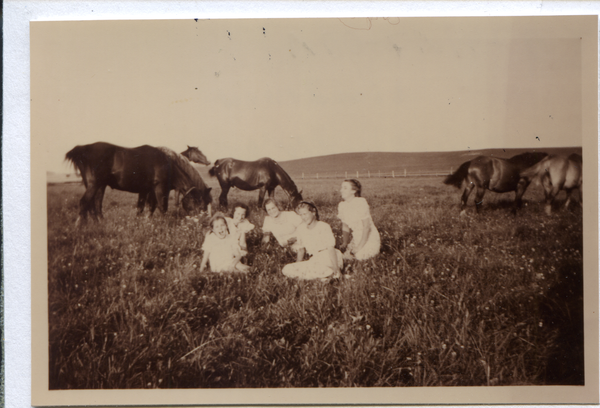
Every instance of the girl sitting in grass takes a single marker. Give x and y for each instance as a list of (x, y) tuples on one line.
[(356, 219), (221, 249), (281, 224), (239, 225), (316, 238)]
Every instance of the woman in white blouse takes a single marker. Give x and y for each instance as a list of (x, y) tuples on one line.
[(281, 224), (356, 219), (315, 238)]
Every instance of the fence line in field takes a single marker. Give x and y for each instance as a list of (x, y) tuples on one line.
[(374, 174)]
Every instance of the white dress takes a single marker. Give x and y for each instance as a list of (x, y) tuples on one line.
[(317, 242), (283, 227), (221, 252), (352, 213)]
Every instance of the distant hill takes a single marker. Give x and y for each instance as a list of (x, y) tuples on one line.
[(386, 162)]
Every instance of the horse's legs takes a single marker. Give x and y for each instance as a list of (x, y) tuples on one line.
[(261, 195), (223, 196), (550, 191), (176, 198), (161, 193), (99, 197), (87, 202), (479, 198), (571, 195), (465, 196), (142, 197), (152, 202), (521, 187)]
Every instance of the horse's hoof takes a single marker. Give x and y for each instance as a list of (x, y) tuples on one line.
[(463, 213)]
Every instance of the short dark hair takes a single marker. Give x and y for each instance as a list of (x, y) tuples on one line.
[(355, 186), (310, 206), (241, 205)]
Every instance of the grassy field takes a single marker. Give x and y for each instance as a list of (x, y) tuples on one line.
[(487, 299)]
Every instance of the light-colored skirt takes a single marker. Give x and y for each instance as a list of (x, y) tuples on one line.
[(317, 267), (372, 246)]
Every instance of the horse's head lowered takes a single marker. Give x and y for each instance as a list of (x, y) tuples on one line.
[(193, 154), (195, 200)]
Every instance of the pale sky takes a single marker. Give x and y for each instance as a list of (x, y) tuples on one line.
[(295, 88)]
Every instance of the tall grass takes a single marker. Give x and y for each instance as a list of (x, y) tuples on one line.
[(487, 299)]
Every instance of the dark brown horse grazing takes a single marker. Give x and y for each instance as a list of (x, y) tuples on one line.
[(494, 174), (193, 154), (145, 170), (264, 174), (557, 173)]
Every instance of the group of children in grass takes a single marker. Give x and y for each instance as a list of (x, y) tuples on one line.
[(301, 231)]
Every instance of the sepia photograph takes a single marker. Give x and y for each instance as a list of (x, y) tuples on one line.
[(246, 211)]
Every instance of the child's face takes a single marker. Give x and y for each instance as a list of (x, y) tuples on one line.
[(307, 216), (272, 210), (238, 215), (220, 228), (346, 190)]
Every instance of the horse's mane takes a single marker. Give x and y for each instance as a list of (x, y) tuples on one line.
[(285, 178), (191, 177), (527, 158)]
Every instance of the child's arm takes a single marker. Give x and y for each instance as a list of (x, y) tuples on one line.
[(334, 260), (204, 260), (300, 256)]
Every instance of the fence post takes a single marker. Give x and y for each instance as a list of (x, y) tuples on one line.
[(404, 172), (346, 175), (369, 172), (317, 176), (379, 173), (393, 175), (302, 175), (356, 173)]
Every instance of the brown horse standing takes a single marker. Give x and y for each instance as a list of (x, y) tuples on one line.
[(193, 154), (144, 170), (557, 173), (494, 174), (264, 174)]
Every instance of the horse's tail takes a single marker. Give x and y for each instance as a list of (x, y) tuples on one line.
[(77, 157), (456, 179)]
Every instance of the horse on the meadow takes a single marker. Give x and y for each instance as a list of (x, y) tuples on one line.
[(264, 174), (557, 173), (494, 174), (148, 171), (195, 155)]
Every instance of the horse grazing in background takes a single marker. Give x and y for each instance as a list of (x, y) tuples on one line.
[(193, 154), (557, 173), (145, 170), (264, 174), (189, 184), (494, 174)]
